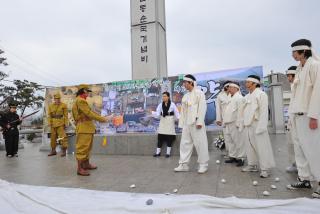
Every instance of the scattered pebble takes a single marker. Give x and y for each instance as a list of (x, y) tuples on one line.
[(133, 186), (175, 190), (273, 186), (223, 181), (277, 179), (217, 161), (266, 193), (255, 183), (166, 211), (167, 193), (149, 202)]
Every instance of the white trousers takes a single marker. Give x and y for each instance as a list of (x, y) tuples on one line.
[(191, 136), (224, 137), (307, 148), (292, 141), (258, 148), (234, 138)]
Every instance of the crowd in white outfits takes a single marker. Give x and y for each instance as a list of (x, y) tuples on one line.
[(244, 120)]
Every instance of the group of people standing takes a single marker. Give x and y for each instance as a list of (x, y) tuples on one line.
[(245, 126), (245, 122)]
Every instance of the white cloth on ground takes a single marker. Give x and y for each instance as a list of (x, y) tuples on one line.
[(27, 199)]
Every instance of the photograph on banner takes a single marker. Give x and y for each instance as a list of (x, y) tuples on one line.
[(132, 103), (68, 95)]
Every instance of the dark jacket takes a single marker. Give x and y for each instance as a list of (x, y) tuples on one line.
[(12, 119)]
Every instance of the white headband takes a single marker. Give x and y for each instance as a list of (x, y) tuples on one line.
[(188, 79), (226, 85), (234, 85), (291, 72), (301, 47), (253, 80), (305, 47)]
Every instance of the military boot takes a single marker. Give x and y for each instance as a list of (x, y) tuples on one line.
[(81, 171), (53, 152), (88, 165), (63, 152)]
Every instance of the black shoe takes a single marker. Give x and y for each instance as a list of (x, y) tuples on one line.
[(156, 155), (231, 160), (240, 162), (300, 185), (167, 156)]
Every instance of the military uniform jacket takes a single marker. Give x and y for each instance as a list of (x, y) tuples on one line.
[(84, 116), (57, 115)]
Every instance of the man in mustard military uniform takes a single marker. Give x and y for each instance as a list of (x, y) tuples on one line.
[(58, 120), (85, 129)]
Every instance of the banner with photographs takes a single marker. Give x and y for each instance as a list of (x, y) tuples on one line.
[(132, 102)]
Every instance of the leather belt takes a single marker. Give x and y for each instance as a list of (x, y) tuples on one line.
[(57, 116), (83, 120)]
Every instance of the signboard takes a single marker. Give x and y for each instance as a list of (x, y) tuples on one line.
[(132, 102)]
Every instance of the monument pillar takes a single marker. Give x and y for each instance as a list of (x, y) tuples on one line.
[(148, 39)]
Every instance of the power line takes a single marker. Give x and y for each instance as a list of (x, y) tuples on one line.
[(34, 66), (41, 76)]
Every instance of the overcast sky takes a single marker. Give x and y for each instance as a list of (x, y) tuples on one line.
[(67, 42)]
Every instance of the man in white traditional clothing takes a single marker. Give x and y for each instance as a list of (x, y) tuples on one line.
[(192, 116), (292, 133), (305, 107), (221, 103), (233, 122), (255, 121)]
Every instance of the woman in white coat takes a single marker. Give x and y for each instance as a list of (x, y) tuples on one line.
[(168, 112)]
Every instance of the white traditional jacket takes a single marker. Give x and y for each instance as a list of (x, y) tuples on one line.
[(256, 110), (221, 103), (306, 89), (232, 113), (167, 123), (193, 108), (173, 108)]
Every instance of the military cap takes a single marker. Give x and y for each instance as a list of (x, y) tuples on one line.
[(57, 96), (84, 86)]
